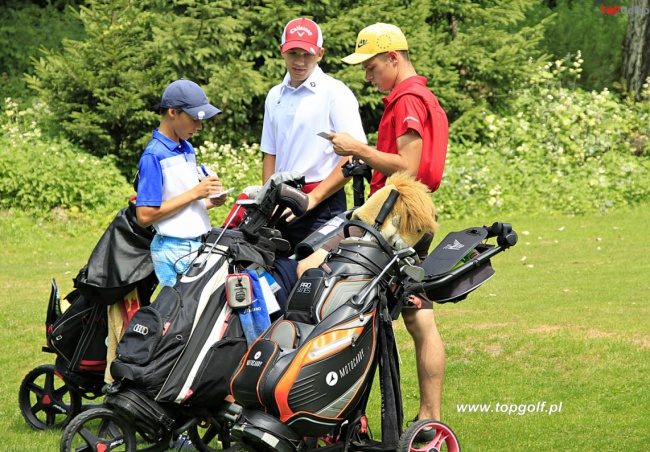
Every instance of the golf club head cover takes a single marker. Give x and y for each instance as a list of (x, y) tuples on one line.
[(292, 198)]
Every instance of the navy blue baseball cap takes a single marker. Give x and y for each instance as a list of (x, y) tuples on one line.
[(189, 97)]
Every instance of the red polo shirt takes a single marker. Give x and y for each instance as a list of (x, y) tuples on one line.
[(410, 105)]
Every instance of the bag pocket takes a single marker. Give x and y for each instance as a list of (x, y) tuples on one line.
[(141, 411), (212, 382), (141, 338), (251, 370), (65, 336), (147, 327)]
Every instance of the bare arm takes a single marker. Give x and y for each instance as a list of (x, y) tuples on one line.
[(312, 261), (268, 167), (331, 184)]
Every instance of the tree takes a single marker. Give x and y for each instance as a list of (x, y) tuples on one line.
[(98, 89), (585, 27), (24, 27), (636, 54)]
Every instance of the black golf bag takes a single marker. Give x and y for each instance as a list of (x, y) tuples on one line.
[(119, 270), (119, 264), (180, 348)]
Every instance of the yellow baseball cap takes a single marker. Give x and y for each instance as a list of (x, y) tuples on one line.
[(375, 39)]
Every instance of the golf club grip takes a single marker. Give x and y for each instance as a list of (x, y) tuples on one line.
[(386, 208)]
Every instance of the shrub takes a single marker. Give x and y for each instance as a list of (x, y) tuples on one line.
[(237, 167), (561, 150), (48, 177)]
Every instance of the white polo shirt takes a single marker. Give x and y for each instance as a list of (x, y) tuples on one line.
[(294, 116)]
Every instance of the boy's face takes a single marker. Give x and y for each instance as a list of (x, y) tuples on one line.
[(185, 126), (301, 64), (380, 71)]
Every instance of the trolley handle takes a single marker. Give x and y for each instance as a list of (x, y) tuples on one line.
[(506, 237), (386, 208)]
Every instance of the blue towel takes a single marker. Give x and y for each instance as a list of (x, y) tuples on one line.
[(255, 318)]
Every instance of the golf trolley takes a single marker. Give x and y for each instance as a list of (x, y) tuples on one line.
[(119, 267), (304, 384), (173, 365)]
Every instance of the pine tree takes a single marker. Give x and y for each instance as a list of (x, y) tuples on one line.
[(98, 89)]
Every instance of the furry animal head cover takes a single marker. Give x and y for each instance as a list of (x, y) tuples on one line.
[(412, 216)]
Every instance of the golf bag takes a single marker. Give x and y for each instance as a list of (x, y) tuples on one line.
[(184, 347), (78, 338), (310, 374), (119, 268)]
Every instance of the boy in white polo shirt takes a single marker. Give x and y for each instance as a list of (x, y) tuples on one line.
[(308, 102), (170, 195)]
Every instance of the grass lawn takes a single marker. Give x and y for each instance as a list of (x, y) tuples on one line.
[(553, 353)]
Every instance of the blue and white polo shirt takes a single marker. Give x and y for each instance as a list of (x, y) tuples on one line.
[(168, 169)]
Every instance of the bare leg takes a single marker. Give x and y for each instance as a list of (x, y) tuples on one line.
[(430, 359)]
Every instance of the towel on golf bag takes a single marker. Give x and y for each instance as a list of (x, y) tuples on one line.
[(392, 411), (254, 318)]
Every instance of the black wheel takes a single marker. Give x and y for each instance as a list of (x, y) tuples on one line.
[(428, 435), (209, 436), (98, 430), (46, 400)]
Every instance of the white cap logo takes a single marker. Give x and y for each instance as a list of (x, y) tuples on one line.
[(301, 31)]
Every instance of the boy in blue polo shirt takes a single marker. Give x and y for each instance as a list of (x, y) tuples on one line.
[(171, 197)]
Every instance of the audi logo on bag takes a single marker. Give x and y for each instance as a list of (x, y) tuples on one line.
[(141, 329)]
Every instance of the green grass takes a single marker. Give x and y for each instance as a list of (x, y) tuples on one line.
[(568, 324), (564, 320)]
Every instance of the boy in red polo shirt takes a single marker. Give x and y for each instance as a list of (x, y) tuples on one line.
[(413, 135)]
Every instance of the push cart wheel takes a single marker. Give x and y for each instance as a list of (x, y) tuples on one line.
[(98, 430), (46, 400), (209, 437), (428, 435)]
